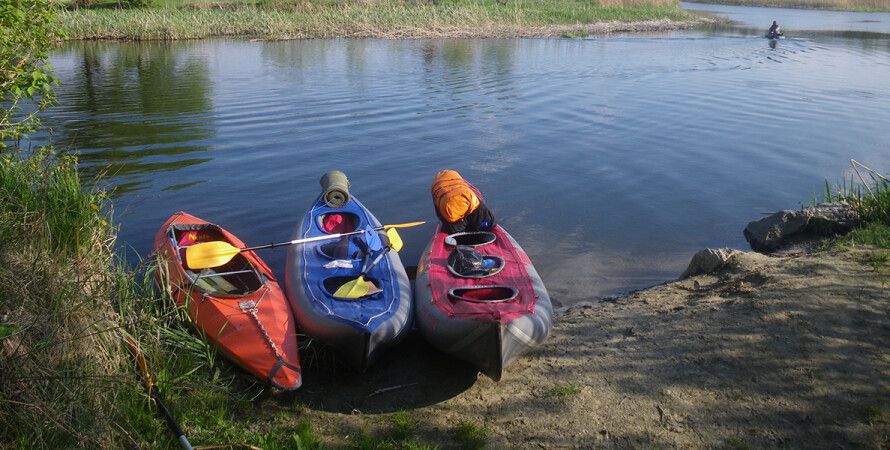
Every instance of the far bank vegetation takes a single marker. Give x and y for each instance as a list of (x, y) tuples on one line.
[(843, 5), (277, 19)]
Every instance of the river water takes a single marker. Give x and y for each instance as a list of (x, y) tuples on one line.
[(611, 159)]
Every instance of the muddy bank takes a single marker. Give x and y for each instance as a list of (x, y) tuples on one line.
[(787, 351)]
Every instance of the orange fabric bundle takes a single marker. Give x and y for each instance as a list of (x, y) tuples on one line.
[(453, 196)]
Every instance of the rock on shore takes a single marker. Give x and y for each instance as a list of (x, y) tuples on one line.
[(776, 230)]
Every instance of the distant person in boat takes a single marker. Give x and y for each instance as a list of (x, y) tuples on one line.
[(459, 204), (774, 30)]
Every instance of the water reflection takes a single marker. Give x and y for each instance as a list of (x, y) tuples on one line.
[(134, 109)]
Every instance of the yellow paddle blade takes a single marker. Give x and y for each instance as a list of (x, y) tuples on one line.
[(355, 289), (209, 254), (395, 241), (404, 225)]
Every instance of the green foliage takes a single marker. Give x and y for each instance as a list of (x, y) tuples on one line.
[(404, 426), (579, 34), (61, 372), (401, 435), (563, 392), (7, 329), (135, 3), (42, 199), (876, 234), (874, 206), (26, 86), (872, 203), (469, 436)]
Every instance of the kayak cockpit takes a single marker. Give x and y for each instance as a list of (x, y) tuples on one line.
[(484, 294), (471, 238), (238, 277)]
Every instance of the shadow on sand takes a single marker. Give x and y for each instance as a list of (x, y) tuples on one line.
[(411, 375)]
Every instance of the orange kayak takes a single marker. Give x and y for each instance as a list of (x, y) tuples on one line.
[(238, 306)]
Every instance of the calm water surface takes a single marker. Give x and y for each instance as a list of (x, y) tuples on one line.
[(612, 160)]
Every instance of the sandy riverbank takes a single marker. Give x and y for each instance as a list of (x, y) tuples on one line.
[(789, 351)]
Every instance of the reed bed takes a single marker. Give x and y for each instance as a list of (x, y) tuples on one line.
[(275, 19), (842, 5)]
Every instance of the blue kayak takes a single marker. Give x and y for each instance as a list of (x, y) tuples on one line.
[(358, 329)]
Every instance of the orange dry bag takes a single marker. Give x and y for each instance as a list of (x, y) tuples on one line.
[(453, 196)]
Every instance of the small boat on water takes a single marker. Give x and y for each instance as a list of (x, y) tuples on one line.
[(359, 329), (487, 318), (238, 306)]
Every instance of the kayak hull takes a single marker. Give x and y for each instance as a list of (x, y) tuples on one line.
[(358, 330), (254, 328), (489, 336)]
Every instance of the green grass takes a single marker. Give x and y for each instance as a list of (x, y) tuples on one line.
[(876, 234), (563, 393), (360, 18), (469, 436), (41, 200), (580, 34), (400, 435), (872, 203), (64, 379)]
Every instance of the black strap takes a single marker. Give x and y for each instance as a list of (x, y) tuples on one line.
[(281, 363)]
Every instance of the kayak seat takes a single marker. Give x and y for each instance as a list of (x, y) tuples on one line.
[(471, 238), (236, 277), (483, 294), (341, 249), (331, 284)]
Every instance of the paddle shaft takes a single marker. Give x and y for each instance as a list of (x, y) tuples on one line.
[(156, 396), (303, 241), (374, 262), (328, 236)]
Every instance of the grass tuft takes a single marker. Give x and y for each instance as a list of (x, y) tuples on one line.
[(469, 436), (579, 34), (401, 435), (563, 392), (872, 203)]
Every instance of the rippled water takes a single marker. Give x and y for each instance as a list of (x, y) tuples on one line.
[(612, 160)]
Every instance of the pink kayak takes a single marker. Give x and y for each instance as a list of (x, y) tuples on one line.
[(488, 319)]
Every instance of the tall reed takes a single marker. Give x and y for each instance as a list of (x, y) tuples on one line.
[(383, 19)]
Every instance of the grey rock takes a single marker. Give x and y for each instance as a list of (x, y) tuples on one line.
[(826, 219), (831, 218), (769, 233), (708, 261)]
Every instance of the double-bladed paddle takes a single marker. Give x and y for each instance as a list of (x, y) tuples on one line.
[(205, 255)]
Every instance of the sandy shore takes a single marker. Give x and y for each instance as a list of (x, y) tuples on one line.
[(789, 351)]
